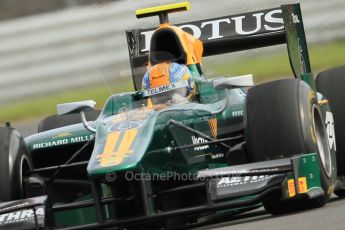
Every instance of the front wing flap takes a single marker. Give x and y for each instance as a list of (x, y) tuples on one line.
[(23, 214), (296, 175)]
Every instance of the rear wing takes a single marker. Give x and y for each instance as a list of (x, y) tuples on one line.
[(234, 33)]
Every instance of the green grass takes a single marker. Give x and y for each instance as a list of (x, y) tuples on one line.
[(45, 106), (276, 64), (264, 67)]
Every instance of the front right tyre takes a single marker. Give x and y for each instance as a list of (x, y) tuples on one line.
[(283, 119), (331, 84)]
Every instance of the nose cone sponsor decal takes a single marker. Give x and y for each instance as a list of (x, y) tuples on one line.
[(125, 125), (62, 135)]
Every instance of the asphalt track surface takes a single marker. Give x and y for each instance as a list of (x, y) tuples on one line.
[(330, 217)]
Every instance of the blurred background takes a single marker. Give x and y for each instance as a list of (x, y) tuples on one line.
[(56, 51)]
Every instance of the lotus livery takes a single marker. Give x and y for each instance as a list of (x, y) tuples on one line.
[(183, 147)]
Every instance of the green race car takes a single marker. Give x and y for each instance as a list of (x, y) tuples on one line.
[(234, 147)]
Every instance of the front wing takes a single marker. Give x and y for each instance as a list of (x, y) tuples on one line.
[(227, 188)]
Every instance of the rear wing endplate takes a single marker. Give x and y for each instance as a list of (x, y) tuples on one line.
[(234, 33)]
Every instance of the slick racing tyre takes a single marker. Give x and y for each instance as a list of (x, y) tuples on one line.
[(56, 121), (283, 119), (14, 162), (331, 84)]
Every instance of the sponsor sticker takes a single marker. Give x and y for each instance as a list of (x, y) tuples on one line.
[(164, 88), (16, 214), (217, 155), (64, 134), (302, 186), (258, 22), (291, 187), (235, 181), (199, 140), (125, 125), (237, 113), (21, 216), (330, 130), (65, 141)]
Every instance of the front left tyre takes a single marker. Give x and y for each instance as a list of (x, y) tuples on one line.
[(15, 161)]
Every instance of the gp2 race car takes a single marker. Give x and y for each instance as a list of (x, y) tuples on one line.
[(233, 148)]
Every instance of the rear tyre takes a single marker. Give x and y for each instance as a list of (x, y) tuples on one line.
[(56, 121), (283, 120), (331, 84), (14, 162)]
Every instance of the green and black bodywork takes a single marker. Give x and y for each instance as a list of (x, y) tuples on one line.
[(174, 164)]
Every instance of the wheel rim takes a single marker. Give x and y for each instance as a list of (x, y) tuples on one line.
[(322, 141), (24, 167)]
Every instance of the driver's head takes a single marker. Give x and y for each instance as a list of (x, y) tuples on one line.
[(167, 73)]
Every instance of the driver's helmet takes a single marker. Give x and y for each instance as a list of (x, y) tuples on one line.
[(169, 81)]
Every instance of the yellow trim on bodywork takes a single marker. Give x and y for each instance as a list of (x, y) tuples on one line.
[(110, 144), (323, 102), (112, 156), (176, 7)]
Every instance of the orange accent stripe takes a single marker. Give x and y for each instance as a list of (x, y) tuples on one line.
[(213, 127)]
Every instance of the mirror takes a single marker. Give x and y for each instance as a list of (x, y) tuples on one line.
[(74, 107), (234, 82)]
